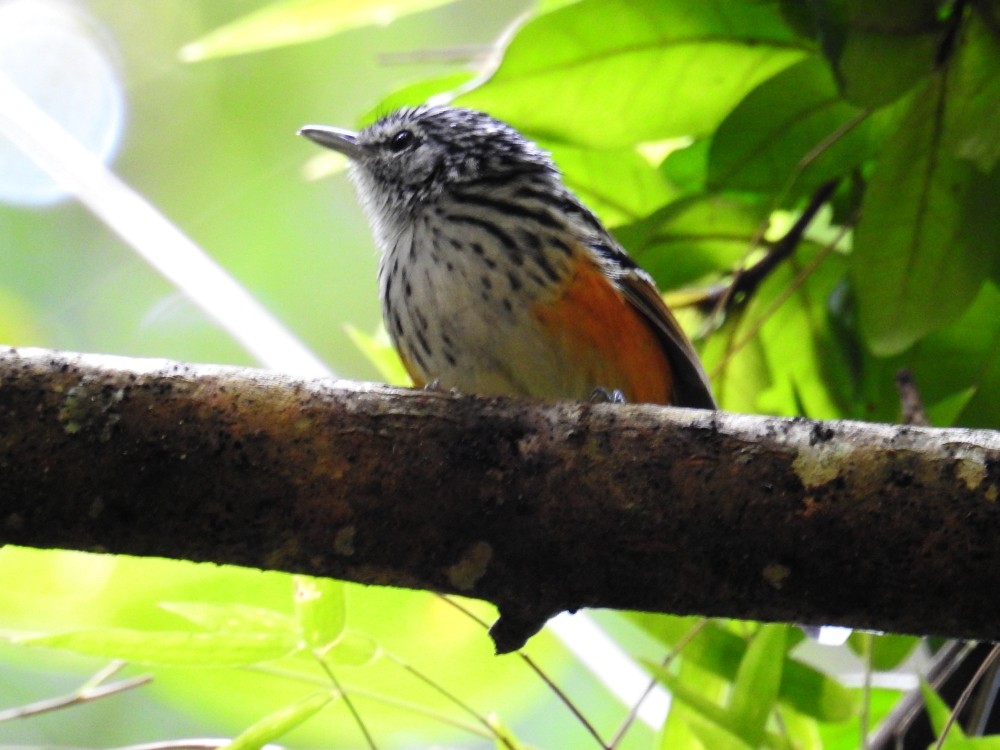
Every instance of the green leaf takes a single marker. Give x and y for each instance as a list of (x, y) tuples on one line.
[(504, 739), (961, 363), (296, 21), (887, 651), (172, 648), (710, 721), (721, 652), (809, 371), (611, 73), (620, 186), (926, 234), (939, 711), (957, 369), (232, 618), (766, 140), (415, 94), (878, 67), (880, 48), (687, 167), (692, 237), (352, 649), (279, 723), (320, 610), (381, 353), (974, 97), (712, 734), (755, 689)]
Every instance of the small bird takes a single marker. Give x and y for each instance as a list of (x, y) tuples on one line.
[(495, 278)]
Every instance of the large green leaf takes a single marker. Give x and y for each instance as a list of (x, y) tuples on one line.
[(928, 230), (766, 140), (619, 185), (232, 618), (880, 48), (613, 73), (297, 21), (974, 97)]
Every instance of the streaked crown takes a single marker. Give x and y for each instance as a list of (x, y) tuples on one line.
[(409, 157)]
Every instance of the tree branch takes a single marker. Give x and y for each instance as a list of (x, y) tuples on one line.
[(537, 507)]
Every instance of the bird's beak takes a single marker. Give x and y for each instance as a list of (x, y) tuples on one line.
[(344, 141)]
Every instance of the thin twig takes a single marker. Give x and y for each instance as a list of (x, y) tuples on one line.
[(563, 698), (91, 690), (347, 702), (377, 698), (671, 655), (779, 300), (451, 697), (192, 743), (967, 693), (898, 722), (746, 281)]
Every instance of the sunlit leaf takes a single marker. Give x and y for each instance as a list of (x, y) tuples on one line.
[(505, 739), (709, 720), (381, 353), (938, 711), (280, 722), (352, 649), (755, 689), (887, 651), (172, 648), (296, 21), (232, 618), (616, 73), (320, 610), (415, 94), (810, 374), (619, 185)]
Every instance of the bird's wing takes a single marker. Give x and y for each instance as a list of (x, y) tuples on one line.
[(691, 386)]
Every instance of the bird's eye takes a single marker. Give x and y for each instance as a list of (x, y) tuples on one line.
[(402, 141)]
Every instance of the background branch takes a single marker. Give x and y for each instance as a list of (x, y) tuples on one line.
[(537, 507)]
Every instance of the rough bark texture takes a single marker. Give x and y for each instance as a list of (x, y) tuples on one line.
[(537, 507)]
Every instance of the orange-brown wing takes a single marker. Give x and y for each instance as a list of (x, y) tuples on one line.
[(604, 340), (690, 383)]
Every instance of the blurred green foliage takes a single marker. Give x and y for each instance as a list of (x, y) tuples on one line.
[(698, 130)]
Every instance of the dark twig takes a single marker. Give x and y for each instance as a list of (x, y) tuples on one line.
[(746, 281), (967, 693)]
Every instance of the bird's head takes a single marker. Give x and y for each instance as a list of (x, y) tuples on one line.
[(411, 157)]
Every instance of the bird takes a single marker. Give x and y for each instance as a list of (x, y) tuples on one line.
[(496, 279)]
